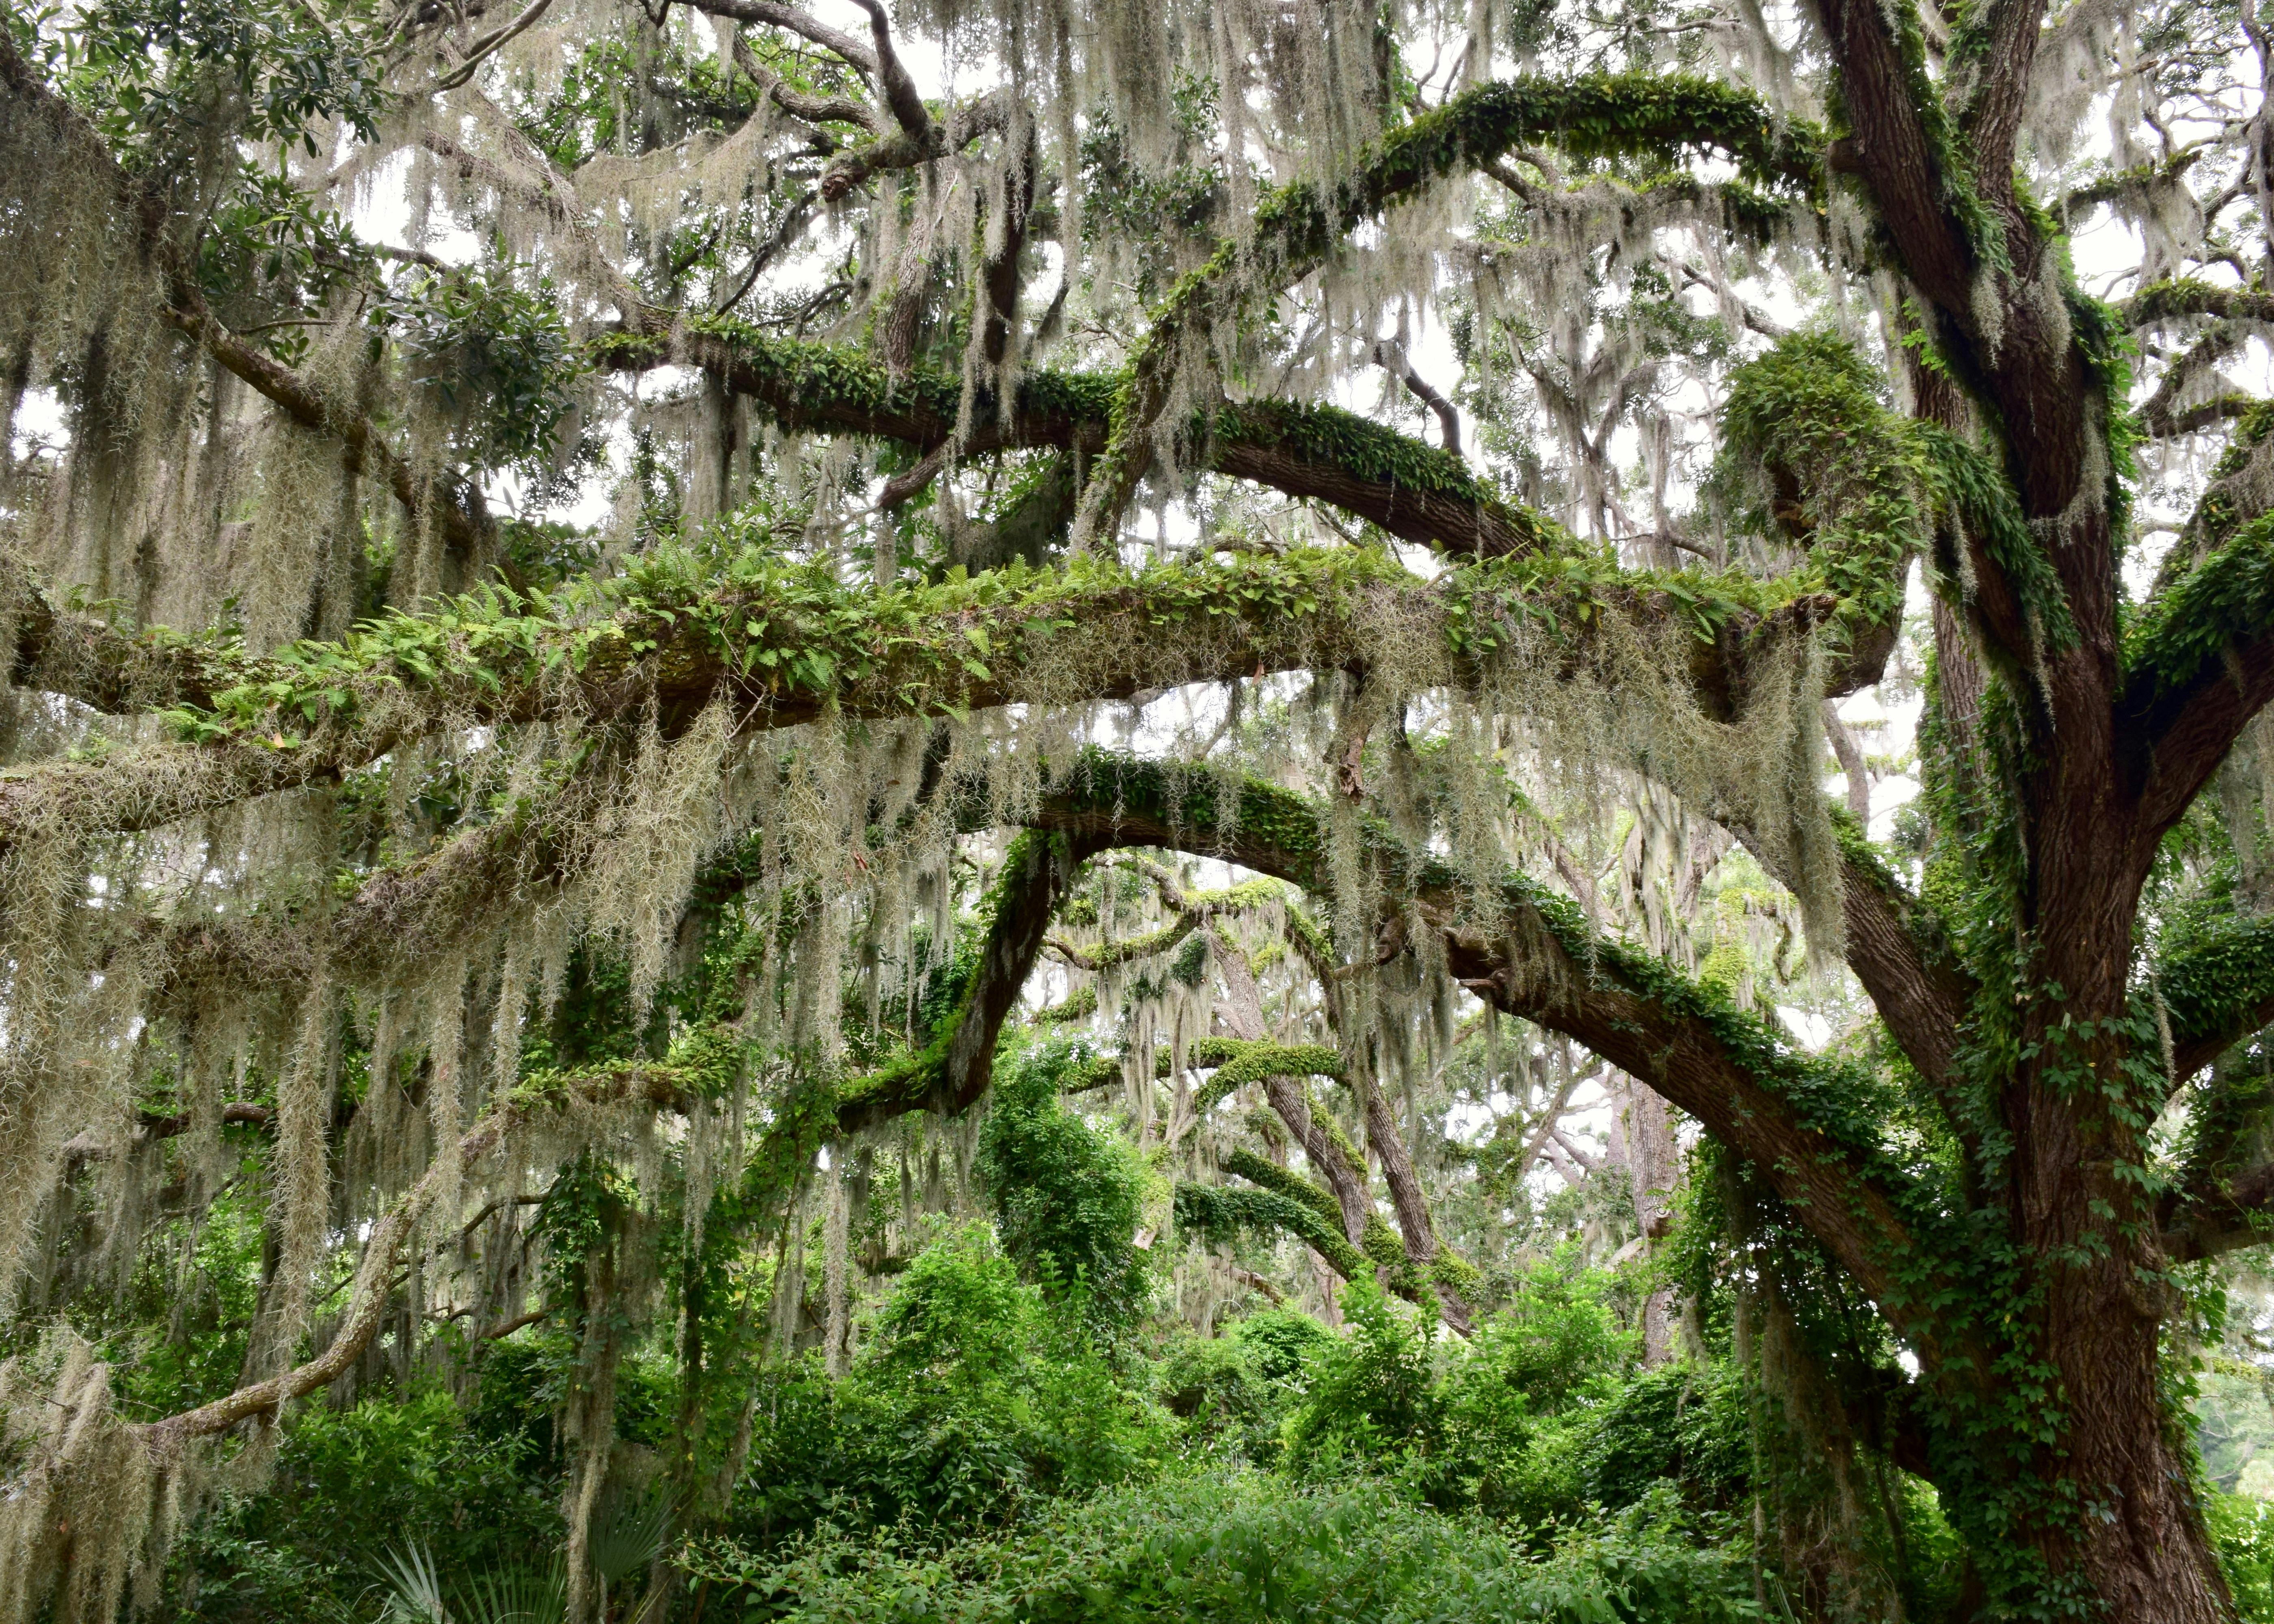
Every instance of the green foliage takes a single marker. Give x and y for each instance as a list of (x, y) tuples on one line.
[(2243, 1531), (497, 356), (146, 71), (2186, 633), (1686, 1424), (974, 1397), (1067, 1196), (1235, 1392), (270, 260), (178, 1338), (1501, 1423), (1240, 1546), (1220, 1213), (348, 1485), (1860, 485)]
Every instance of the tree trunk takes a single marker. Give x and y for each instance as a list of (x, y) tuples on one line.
[(1643, 1135), (2140, 1544)]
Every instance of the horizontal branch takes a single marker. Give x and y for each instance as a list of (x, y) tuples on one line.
[(786, 644), (2184, 296), (1413, 490), (2239, 1212), (1218, 1213)]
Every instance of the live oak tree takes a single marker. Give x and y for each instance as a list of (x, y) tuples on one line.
[(955, 404)]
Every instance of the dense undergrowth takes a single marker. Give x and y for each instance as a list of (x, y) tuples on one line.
[(997, 1451), (1025, 1423)]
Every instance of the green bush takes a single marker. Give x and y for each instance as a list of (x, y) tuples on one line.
[(1497, 1424), (1680, 1423), (1067, 1198), (1373, 1397), (1236, 1544), (348, 1485), (2243, 1530), (975, 1397)]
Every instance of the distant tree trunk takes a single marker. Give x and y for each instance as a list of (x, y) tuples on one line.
[(1643, 1141)]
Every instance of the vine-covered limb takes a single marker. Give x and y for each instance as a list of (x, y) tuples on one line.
[(85, 657), (2198, 664), (2177, 298), (1414, 491), (1298, 227), (951, 1073), (2166, 413), (2003, 313), (781, 644), (1218, 1212), (671, 1086), (1538, 959)]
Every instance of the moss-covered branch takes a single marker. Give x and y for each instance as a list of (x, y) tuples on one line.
[(1300, 225), (2198, 664), (954, 1069), (2217, 987), (2176, 298), (1193, 912), (701, 1065), (1411, 489), (1814, 1127), (1219, 1213), (783, 644)]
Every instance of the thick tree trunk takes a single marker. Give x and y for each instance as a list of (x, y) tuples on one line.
[(2145, 1552)]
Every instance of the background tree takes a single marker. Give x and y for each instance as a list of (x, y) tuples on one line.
[(538, 544)]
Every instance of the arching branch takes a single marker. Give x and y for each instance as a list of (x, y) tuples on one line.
[(1734, 1074), (1300, 226)]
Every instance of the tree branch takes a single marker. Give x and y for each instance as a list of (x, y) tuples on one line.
[(900, 93), (663, 1087), (2186, 296), (1300, 226), (770, 13), (2198, 664), (2217, 989), (1732, 1072)]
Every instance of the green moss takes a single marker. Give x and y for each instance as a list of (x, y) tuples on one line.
[(1219, 1213)]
